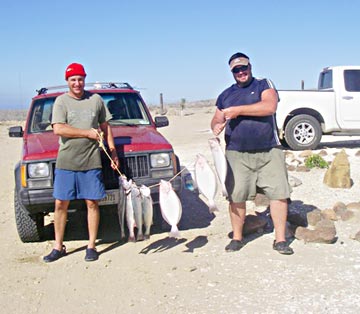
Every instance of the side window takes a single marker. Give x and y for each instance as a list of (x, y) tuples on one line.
[(41, 115), (352, 80)]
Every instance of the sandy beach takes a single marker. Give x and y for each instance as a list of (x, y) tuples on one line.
[(193, 274)]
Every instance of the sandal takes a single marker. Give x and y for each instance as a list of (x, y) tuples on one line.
[(55, 255), (283, 248), (234, 245)]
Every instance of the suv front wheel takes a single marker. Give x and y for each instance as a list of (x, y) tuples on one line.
[(30, 227)]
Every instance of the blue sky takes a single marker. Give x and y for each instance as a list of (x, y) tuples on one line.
[(178, 48)]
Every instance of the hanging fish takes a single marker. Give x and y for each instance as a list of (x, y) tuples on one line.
[(206, 181), (121, 207), (137, 209), (170, 205), (127, 185), (147, 209), (219, 162)]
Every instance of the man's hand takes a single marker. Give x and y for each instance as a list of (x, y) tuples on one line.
[(114, 159), (230, 113), (218, 128)]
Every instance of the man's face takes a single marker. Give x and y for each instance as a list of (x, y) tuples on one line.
[(242, 74), (76, 85)]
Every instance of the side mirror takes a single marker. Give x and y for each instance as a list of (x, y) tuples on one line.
[(161, 121), (16, 131)]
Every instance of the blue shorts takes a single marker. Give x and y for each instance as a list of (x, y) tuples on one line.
[(71, 185)]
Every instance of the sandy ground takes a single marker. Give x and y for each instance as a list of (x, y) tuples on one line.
[(189, 275)]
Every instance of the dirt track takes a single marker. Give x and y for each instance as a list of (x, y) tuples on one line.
[(190, 275)]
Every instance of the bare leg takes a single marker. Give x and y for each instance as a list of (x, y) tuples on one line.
[(237, 217), (60, 217), (278, 210), (93, 221)]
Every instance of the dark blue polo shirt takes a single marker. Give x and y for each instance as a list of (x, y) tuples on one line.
[(247, 133)]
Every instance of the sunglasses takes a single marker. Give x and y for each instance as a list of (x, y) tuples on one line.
[(240, 69)]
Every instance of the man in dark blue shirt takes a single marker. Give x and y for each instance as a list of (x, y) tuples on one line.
[(246, 110)]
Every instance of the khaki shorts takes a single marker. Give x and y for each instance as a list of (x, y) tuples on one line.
[(250, 173)]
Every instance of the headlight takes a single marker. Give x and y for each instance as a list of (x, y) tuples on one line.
[(39, 170), (160, 160)]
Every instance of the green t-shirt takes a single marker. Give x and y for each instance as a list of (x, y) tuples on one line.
[(79, 154)]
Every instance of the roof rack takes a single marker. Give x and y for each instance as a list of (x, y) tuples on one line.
[(95, 85)]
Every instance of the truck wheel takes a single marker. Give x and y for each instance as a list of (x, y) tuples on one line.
[(303, 132), (30, 227)]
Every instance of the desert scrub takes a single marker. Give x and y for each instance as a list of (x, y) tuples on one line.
[(316, 161)]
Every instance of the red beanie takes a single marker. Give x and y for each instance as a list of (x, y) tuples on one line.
[(74, 69)]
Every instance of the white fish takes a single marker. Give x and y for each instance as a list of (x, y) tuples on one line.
[(147, 209), (137, 209), (121, 207), (206, 181), (219, 162), (170, 205), (129, 209)]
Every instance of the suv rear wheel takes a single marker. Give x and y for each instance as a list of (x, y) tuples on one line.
[(30, 227)]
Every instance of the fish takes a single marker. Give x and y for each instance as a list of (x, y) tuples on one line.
[(137, 209), (170, 206), (206, 181), (121, 207), (219, 162), (147, 209), (130, 221)]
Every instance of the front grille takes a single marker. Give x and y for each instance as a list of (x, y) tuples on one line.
[(133, 167), (137, 166)]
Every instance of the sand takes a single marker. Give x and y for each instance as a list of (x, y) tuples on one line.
[(192, 274)]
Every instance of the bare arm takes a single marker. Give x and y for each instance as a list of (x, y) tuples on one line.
[(105, 127), (266, 107), (66, 130), (218, 122)]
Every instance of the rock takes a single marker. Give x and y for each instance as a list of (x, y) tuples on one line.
[(357, 154), (291, 168), (323, 153), (353, 205), (302, 169), (357, 236), (324, 232), (338, 174), (313, 217), (329, 213), (254, 224), (347, 215), (306, 153), (339, 207), (294, 182)]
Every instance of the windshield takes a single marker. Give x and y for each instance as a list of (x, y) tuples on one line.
[(126, 109)]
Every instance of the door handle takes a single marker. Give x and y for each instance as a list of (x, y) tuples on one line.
[(348, 97)]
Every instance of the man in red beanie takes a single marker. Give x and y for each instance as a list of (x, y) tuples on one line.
[(76, 117)]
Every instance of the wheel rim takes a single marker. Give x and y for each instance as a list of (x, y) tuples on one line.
[(304, 133)]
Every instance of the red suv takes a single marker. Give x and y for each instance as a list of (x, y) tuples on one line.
[(145, 155)]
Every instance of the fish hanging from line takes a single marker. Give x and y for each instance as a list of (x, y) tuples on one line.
[(206, 181), (121, 207), (147, 209), (170, 205), (137, 209), (129, 212), (219, 162)]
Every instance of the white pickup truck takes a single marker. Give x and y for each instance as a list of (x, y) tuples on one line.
[(303, 116)]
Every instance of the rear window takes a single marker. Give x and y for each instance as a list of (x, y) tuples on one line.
[(126, 109), (326, 80)]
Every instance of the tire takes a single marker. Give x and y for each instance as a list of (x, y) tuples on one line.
[(30, 227), (303, 132)]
